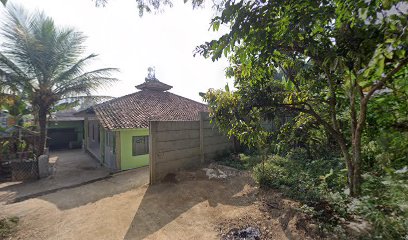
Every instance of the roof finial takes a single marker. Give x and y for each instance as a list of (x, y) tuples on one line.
[(152, 83), (151, 75)]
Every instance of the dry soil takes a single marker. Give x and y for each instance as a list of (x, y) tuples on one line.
[(188, 206)]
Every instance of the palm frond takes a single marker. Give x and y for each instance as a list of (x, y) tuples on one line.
[(19, 42), (44, 62), (84, 86), (74, 70), (8, 67), (86, 82)]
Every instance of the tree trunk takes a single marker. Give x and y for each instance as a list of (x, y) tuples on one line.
[(356, 186), (353, 167), (353, 161), (356, 146), (42, 121), (349, 163)]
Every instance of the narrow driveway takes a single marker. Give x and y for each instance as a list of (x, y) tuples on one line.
[(68, 168), (125, 207)]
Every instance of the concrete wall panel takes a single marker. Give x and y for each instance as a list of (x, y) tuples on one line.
[(215, 140), (178, 125), (176, 145), (177, 154), (164, 136)]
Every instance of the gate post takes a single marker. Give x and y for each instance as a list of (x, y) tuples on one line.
[(202, 117), (152, 151)]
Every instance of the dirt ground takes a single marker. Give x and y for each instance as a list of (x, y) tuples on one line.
[(188, 206), (68, 168)]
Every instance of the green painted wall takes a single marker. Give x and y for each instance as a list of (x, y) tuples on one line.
[(127, 160)]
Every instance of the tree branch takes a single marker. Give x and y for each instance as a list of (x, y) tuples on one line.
[(382, 82)]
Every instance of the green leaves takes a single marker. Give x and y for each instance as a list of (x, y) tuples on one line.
[(227, 88), (323, 63), (43, 63), (39, 55), (215, 25), (304, 57)]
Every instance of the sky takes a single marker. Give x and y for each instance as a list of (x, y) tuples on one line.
[(131, 43)]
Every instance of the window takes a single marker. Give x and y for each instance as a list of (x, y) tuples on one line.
[(107, 139), (140, 145), (93, 132), (99, 133), (89, 129), (110, 138)]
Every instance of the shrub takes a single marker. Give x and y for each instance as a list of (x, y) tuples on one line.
[(240, 161), (320, 185), (385, 204), (389, 149), (7, 226), (300, 180)]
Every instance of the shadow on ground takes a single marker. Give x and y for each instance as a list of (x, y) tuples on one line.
[(89, 193), (69, 168), (164, 203)]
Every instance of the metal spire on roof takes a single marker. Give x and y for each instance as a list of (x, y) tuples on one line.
[(151, 75), (152, 83)]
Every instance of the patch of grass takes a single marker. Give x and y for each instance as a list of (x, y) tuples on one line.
[(240, 161), (8, 226), (314, 183), (320, 183)]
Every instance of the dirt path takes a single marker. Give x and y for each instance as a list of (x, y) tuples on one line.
[(190, 207)]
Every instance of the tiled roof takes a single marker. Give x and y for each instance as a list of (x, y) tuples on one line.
[(65, 116), (136, 109), (154, 84)]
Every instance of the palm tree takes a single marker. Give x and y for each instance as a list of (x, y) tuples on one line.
[(43, 62)]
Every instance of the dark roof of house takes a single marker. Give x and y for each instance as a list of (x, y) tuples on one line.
[(154, 84), (137, 109), (66, 116)]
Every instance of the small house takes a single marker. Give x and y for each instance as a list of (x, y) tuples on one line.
[(65, 131), (117, 131)]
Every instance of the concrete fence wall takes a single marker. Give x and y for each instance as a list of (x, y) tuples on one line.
[(176, 145)]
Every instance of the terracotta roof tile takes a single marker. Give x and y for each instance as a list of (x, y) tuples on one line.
[(137, 109)]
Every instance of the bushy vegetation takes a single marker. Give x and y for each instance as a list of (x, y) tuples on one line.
[(305, 164), (240, 161), (385, 204), (7, 226), (321, 184), (302, 180), (322, 87)]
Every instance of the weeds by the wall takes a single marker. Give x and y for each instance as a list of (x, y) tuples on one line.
[(8, 226)]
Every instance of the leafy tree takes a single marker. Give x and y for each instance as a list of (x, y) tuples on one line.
[(385, 144), (17, 108), (43, 63), (334, 57), (149, 6)]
